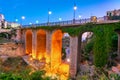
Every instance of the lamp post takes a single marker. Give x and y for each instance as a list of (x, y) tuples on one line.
[(37, 21), (16, 20), (79, 16), (75, 8), (60, 19), (30, 23), (23, 17), (49, 13)]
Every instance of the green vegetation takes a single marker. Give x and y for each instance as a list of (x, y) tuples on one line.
[(15, 68), (98, 74)]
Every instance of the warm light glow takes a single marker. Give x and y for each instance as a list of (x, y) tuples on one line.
[(28, 42), (53, 64), (56, 48), (64, 71), (33, 55), (68, 60), (41, 44), (47, 57)]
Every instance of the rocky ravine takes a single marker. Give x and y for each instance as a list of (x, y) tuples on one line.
[(11, 49)]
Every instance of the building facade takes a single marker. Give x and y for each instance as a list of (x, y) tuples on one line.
[(5, 24), (113, 15)]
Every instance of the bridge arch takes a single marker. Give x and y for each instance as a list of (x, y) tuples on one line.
[(28, 40), (41, 44), (86, 47), (66, 47), (56, 47), (118, 34)]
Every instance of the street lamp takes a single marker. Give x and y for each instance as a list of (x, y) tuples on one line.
[(37, 21), (23, 17), (79, 16), (30, 23), (49, 13), (75, 8), (16, 20), (60, 19)]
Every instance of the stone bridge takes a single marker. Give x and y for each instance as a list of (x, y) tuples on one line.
[(41, 41)]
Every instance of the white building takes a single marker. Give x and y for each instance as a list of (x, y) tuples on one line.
[(113, 13), (2, 20), (5, 24), (13, 25)]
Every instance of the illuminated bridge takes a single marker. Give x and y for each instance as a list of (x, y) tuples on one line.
[(46, 42)]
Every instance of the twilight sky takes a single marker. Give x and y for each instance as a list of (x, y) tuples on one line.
[(38, 9)]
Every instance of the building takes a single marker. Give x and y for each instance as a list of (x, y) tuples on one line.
[(5, 24), (2, 17), (114, 14), (2, 21), (13, 25)]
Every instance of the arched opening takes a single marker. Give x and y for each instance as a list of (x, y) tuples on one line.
[(28, 42), (85, 53), (114, 54), (56, 48), (87, 47), (66, 47), (41, 44)]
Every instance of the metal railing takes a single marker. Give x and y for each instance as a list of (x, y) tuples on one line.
[(73, 22)]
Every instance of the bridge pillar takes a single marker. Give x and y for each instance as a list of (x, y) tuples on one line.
[(119, 44), (19, 35), (118, 32), (74, 57), (23, 40), (34, 43), (48, 42)]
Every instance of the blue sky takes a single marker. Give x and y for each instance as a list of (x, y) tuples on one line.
[(38, 9)]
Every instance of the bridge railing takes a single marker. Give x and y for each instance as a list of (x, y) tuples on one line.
[(72, 22)]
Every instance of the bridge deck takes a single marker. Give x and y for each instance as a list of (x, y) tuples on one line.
[(69, 23)]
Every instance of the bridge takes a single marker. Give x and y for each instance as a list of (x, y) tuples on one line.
[(42, 42), (76, 22)]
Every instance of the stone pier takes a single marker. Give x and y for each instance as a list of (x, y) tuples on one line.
[(74, 62), (48, 42), (118, 32), (34, 43), (74, 47)]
